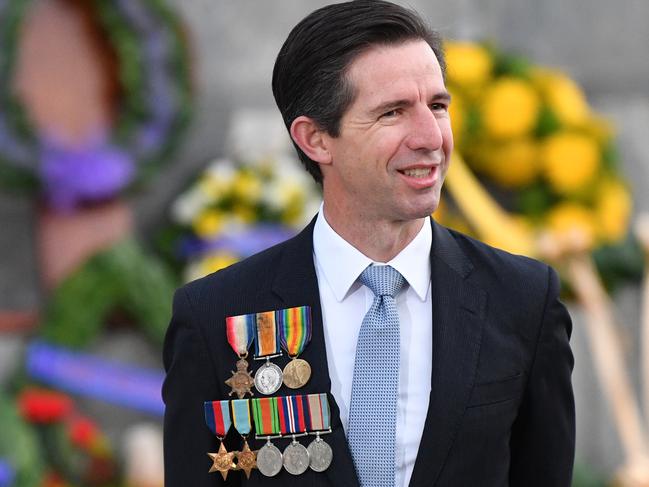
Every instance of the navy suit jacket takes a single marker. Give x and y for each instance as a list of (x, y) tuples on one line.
[(501, 409)]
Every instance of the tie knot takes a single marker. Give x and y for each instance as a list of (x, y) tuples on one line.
[(383, 280)]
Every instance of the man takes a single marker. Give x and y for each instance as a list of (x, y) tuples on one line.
[(459, 375)]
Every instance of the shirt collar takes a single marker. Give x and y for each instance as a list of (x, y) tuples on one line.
[(342, 263)]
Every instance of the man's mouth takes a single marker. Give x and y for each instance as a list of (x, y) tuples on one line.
[(417, 173)]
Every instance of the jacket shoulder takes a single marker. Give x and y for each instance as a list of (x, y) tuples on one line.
[(503, 268)]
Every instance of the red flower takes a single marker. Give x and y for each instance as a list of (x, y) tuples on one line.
[(42, 406), (52, 479), (83, 432)]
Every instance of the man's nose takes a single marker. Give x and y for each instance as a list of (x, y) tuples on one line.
[(425, 132)]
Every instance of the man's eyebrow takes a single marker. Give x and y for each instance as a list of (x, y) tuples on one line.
[(392, 104), (442, 95)]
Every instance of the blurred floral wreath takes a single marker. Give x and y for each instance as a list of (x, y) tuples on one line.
[(47, 442), (155, 105), (530, 136), (237, 208)]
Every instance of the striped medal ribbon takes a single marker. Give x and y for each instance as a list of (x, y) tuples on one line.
[(268, 378), (246, 458), (293, 414), (217, 418), (320, 453), (295, 330), (294, 420), (240, 333), (265, 414)]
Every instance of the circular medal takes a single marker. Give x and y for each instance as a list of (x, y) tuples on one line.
[(297, 373), (320, 455), (296, 458), (268, 378), (269, 460)]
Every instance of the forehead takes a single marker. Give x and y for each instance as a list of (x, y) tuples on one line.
[(383, 71)]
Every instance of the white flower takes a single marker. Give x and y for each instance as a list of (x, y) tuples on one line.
[(189, 204), (222, 170)]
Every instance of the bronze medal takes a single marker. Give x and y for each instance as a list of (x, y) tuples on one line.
[(241, 381), (239, 331), (223, 461), (295, 330), (246, 459), (296, 373)]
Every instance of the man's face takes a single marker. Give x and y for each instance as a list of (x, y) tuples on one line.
[(391, 156)]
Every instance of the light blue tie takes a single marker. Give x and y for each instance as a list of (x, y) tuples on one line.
[(375, 387)]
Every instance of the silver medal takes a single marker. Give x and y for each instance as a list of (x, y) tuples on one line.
[(268, 378), (269, 460), (296, 458), (320, 455)]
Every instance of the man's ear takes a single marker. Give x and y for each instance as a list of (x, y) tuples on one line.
[(311, 139)]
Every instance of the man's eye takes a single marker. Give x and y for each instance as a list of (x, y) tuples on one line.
[(390, 113), (438, 107)]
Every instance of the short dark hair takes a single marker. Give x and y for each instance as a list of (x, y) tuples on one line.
[(309, 77)]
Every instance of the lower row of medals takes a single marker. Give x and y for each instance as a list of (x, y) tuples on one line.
[(273, 418)]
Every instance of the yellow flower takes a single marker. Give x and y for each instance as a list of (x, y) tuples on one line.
[(244, 213), (216, 262), (599, 128), (613, 210), (209, 223), (513, 164), (510, 108), (247, 187), (213, 187), (468, 63), (570, 161), (569, 221), (563, 96)]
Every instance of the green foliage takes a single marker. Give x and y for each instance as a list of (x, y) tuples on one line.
[(585, 477), (123, 277), (19, 445), (620, 263)]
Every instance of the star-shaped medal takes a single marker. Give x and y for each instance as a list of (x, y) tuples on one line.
[(241, 381), (246, 459), (222, 461)]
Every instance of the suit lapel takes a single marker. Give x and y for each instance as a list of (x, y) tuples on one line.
[(458, 308), (296, 284)]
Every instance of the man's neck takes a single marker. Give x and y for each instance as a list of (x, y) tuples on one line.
[(379, 239)]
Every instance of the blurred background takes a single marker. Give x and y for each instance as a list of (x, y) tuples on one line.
[(140, 148)]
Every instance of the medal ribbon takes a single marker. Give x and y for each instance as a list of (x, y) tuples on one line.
[(240, 331), (217, 417), (266, 329), (318, 406), (294, 328), (293, 414), (264, 410), (241, 416)]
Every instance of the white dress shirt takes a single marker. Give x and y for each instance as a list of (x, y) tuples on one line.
[(345, 301)]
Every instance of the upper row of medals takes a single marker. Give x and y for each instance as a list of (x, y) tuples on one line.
[(271, 331)]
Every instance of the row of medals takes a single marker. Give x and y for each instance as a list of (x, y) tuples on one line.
[(269, 460), (296, 457), (269, 377)]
